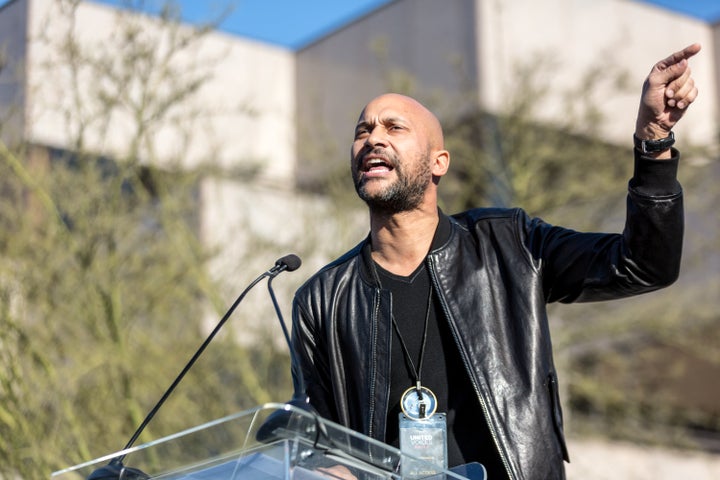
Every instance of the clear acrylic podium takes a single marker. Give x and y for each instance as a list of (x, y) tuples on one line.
[(272, 441)]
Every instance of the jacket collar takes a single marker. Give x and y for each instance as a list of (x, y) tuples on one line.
[(440, 239)]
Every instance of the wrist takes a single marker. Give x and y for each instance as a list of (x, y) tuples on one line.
[(651, 129), (654, 146)]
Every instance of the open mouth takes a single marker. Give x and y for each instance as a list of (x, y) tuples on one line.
[(375, 164)]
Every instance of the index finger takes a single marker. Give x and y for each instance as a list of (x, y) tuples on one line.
[(677, 57)]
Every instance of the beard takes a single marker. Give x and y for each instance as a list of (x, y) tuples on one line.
[(404, 194)]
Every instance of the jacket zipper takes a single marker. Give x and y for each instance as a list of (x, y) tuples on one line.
[(483, 403), (373, 379)]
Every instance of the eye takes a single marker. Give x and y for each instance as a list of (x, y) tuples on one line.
[(361, 133)]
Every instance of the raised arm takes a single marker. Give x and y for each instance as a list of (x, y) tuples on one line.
[(667, 92)]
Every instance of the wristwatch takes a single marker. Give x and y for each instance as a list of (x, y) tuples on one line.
[(654, 146)]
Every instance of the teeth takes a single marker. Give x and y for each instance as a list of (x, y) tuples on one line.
[(376, 162), (371, 163)]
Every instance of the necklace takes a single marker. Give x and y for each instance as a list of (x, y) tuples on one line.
[(417, 402)]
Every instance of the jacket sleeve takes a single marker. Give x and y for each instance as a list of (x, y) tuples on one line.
[(598, 266), (311, 373)]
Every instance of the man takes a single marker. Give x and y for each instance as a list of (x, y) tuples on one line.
[(435, 313)]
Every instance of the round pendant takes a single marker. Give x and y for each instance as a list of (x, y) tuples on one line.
[(417, 406)]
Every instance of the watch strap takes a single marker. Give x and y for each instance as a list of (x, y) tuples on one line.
[(654, 146)]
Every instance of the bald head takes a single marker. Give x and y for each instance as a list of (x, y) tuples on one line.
[(409, 109), (397, 157)]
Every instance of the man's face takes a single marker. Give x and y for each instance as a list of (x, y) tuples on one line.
[(391, 156)]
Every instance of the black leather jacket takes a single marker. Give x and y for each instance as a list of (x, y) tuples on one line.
[(494, 276)]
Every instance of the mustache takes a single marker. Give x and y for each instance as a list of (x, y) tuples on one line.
[(376, 152)]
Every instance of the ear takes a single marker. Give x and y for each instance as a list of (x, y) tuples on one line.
[(441, 163)]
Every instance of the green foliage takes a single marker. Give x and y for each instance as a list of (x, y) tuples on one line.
[(510, 158), (644, 368), (103, 303), (104, 284)]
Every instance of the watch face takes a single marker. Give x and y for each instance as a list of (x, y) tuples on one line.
[(419, 403)]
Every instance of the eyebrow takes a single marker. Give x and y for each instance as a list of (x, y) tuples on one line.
[(384, 121), (361, 125)]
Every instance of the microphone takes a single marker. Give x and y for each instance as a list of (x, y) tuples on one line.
[(115, 470), (289, 262)]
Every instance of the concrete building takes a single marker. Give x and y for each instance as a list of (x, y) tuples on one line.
[(241, 117), (290, 113), (452, 49)]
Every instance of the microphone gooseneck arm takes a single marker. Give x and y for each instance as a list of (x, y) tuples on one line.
[(298, 378), (289, 262)]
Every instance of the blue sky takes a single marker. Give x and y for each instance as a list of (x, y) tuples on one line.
[(294, 24), (288, 23)]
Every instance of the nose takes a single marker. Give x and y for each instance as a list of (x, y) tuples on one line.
[(377, 137)]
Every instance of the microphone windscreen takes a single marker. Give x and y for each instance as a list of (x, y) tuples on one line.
[(291, 262)]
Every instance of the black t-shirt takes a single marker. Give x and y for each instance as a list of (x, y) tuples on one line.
[(442, 371)]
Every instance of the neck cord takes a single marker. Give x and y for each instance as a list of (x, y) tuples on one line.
[(416, 373)]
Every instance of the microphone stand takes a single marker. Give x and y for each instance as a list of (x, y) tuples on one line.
[(281, 422), (299, 398), (115, 470)]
